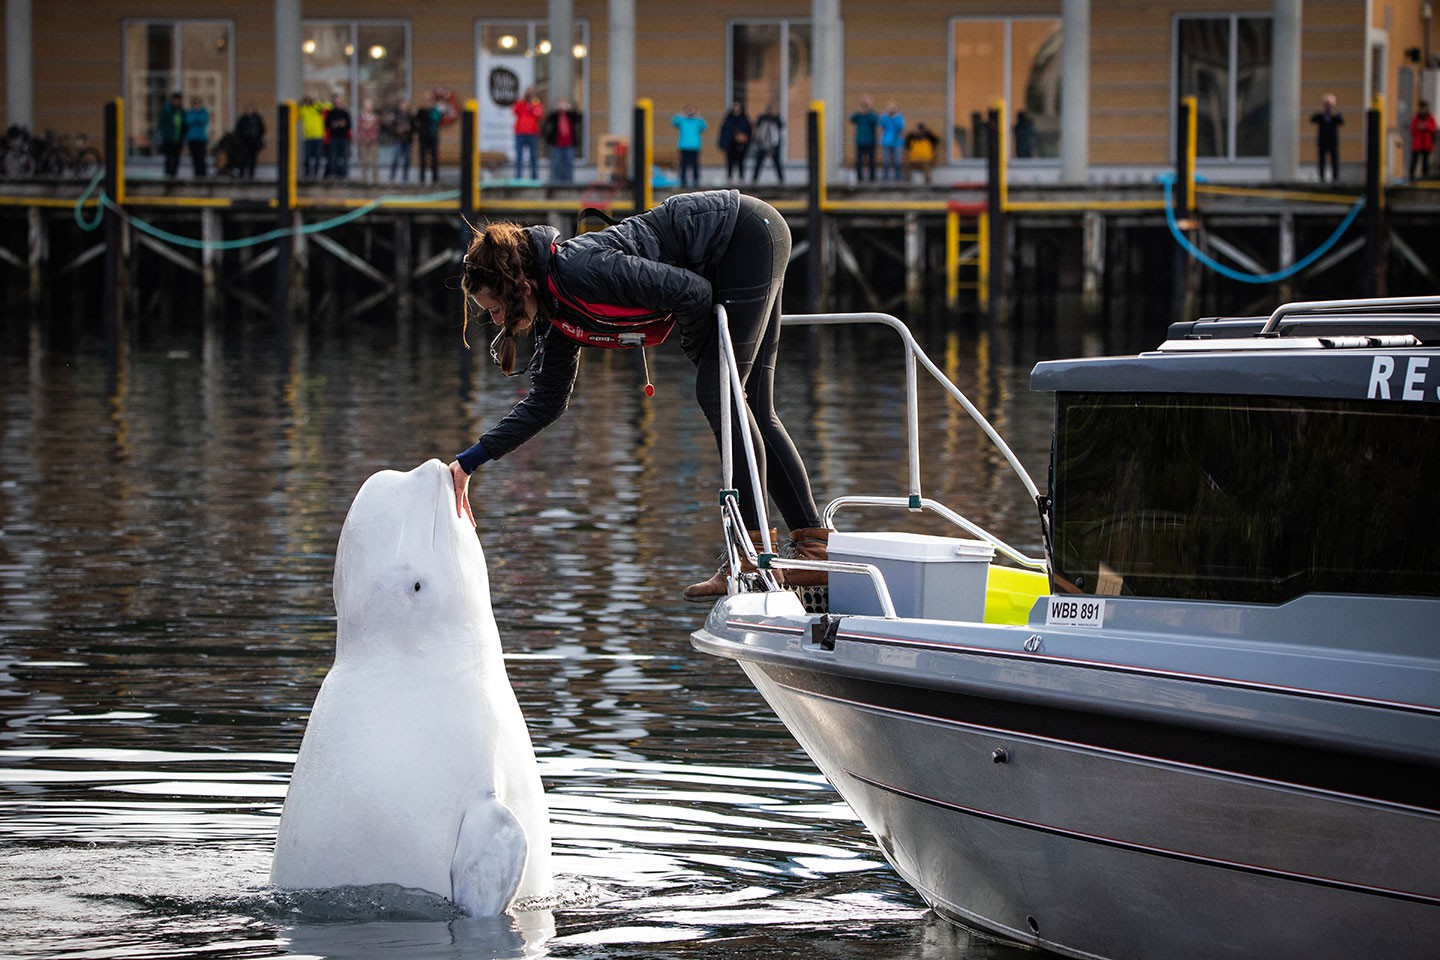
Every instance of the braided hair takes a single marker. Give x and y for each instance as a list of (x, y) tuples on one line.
[(500, 261)]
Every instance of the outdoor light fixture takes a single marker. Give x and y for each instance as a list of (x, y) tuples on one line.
[(377, 52), (579, 51), (308, 46), (349, 49), (507, 42), (543, 47)]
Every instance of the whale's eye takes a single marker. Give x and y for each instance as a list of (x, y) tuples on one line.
[(417, 586)]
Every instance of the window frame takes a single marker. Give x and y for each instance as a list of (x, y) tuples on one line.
[(1007, 60), (138, 107), (1232, 82), (537, 28), (352, 91), (794, 143)]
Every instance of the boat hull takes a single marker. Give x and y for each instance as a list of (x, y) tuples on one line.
[(1094, 827)]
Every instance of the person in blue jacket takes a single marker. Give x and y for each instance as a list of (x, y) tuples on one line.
[(690, 126), (892, 142), (682, 258), (197, 134)]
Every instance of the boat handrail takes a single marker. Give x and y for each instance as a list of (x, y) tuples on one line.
[(732, 399), (934, 506), (1366, 305)]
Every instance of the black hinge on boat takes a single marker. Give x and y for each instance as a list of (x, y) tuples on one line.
[(823, 631)]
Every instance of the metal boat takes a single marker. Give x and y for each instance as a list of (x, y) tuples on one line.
[(1206, 723)]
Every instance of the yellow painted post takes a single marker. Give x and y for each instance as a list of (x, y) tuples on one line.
[(1002, 140), (1190, 148), (645, 110), (470, 161), (818, 106), (952, 258), (117, 152), (982, 257), (289, 157), (1377, 103)]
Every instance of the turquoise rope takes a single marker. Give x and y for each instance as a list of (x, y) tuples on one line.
[(1169, 181), (176, 239)]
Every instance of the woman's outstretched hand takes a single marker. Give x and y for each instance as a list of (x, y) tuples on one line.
[(462, 492)]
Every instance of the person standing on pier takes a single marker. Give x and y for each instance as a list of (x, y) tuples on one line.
[(427, 134), (561, 132), (769, 136), (250, 131), (866, 120), (734, 139), (402, 132), (312, 133), (367, 141), (197, 134), (529, 111), (1327, 136), (892, 142), (690, 127), (171, 132), (1422, 139), (338, 134), (676, 261)]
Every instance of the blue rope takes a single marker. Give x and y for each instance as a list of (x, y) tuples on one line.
[(178, 240), (1168, 180)]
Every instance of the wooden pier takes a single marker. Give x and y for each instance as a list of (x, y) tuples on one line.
[(343, 248)]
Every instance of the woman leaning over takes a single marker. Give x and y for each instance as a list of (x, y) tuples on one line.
[(681, 258)]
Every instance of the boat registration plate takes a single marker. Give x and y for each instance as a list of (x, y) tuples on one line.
[(1075, 612)]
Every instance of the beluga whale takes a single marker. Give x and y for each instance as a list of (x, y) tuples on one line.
[(416, 767)]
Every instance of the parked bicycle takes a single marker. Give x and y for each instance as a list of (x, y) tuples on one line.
[(53, 155)]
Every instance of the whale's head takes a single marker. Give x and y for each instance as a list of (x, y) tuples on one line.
[(408, 568)]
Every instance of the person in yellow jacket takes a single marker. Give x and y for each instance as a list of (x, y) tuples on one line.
[(920, 146), (312, 133)]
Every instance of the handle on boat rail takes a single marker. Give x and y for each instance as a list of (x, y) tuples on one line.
[(877, 579), (1315, 307), (1032, 563)]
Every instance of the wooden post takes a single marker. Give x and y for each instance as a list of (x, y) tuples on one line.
[(1094, 255), (1287, 254), (114, 179), (1183, 273), (816, 294), (642, 153), (1373, 283), (995, 213), (39, 252), (914, 264), (470, 161), (284, 218), (952, 256)]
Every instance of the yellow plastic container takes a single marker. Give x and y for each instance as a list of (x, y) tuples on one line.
[(1010, 593)]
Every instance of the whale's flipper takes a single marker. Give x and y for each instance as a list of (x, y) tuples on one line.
[(489, 858)]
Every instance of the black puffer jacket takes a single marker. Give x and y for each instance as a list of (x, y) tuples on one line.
[(662, 260)]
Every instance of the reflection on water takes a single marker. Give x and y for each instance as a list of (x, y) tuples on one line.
[(167, 534)]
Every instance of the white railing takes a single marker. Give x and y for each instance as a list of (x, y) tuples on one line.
[(732, 404)]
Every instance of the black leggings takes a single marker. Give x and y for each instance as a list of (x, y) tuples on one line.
[(747, 283)]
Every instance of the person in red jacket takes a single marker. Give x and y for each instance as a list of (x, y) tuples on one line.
[(529, 111), (1422, 139)]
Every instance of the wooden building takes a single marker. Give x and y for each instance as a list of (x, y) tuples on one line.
[(1099, 80)]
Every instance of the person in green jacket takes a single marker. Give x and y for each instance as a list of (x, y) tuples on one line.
[(170, 132)]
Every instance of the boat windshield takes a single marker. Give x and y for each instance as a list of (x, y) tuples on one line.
[(1245, 499)]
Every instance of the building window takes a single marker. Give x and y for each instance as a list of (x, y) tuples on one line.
[(514, 54), (1224, 63), (1017, 60), (771, 63), (193, 57), (359, 60)]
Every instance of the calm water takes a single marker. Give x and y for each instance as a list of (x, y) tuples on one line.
[(165, 621)]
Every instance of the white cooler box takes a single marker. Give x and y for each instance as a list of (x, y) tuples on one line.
[(939, 578)]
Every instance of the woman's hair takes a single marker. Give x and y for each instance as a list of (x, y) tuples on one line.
[(500, 260)]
